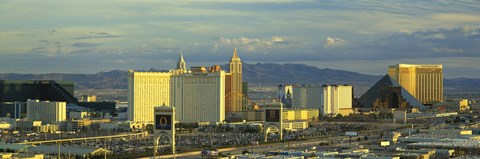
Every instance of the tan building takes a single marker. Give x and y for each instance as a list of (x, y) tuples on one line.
[(337, 99), (199, 96), (287, 115), (88, 98), (424, 82), (145, 91), (46, 111), (463, 105), (233, 85), (295, 125)]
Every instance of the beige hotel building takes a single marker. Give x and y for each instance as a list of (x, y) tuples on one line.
[(145, 91), (49, 112), (198, 95), (423, 81)]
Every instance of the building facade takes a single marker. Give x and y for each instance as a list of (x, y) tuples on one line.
[(88, 98), (46, 111), (198, 93), (233, 90), (22, 90), (199, 96), (307, 96), (337, 99), (145, 91), (16, 110), (424, 82)]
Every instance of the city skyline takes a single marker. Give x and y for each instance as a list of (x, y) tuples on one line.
[(360, 36)]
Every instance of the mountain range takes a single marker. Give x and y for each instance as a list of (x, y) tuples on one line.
[(260, 74)]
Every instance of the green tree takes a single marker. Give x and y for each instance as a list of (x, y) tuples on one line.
[(150, 128)]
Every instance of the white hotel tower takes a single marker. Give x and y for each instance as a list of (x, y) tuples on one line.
[(49, 112), (197, 94)]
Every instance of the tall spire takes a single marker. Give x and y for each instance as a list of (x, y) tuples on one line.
[(235, 56), (235, 53), (181, 64), (180, 59)]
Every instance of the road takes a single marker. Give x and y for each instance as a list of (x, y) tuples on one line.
[(269, 147), (86, 138)]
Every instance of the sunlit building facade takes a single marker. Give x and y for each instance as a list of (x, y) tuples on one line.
[(424, 82), (145, 91), (337, 99), (46, 111), (198, 93), (233, 85), (199, 96)]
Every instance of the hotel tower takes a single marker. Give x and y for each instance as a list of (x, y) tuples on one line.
[(233, 81), (424, 82)]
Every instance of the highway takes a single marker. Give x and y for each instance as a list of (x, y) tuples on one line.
[(142, 134), (269, 147), (373, 137)]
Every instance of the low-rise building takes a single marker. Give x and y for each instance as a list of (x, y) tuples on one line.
[(82, 124)]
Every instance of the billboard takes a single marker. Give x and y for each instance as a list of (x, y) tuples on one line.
[(384, 143), (351, 133), (163, 122), (272, 115)]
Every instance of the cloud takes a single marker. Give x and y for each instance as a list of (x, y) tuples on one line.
[(80, 45), (48, 42), (251, 44), (457, 42), (334, 42), (98, 36), (294, 30)]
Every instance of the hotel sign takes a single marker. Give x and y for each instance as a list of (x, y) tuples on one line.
[(163, 122), (272, 115)]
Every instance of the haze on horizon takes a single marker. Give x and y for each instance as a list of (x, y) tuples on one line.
[(362, 36)]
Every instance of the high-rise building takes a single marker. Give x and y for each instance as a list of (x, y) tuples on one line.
[(424, 82), (199, 96), (145, 91), (307, 96), (46, 111), (233, 85), (337, 99)]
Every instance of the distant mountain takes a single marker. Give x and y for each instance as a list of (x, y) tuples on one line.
[(269, 73), (462, 84), (261, 74)]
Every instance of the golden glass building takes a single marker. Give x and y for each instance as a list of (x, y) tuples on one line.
[(423, 81)]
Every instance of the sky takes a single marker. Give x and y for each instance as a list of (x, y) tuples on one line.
[(87, 36)]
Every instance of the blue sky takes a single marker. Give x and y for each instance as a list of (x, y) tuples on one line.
[(362, 36)]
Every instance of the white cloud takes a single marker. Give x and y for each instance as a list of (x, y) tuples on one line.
[(432, 36), (251, 44), (334, 42)]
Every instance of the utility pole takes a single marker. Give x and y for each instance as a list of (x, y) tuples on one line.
[(105, 148), (59, 150)]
